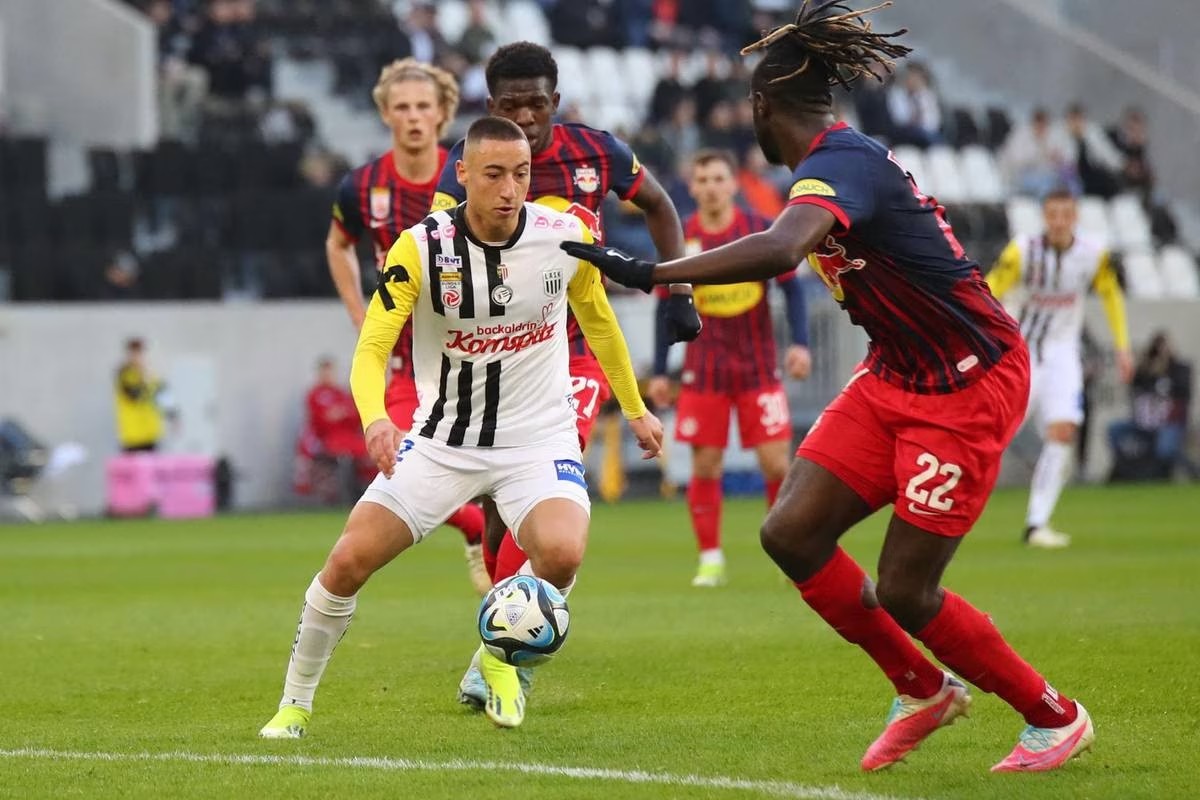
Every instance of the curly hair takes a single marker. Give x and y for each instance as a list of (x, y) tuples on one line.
[(828, 44), (409, 69), (520, 60)]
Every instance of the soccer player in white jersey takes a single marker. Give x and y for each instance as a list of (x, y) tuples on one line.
[(1056, 269), (487, 288)]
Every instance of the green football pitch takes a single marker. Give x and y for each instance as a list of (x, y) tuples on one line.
[(139, 659)]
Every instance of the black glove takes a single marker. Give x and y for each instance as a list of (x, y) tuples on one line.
[(683, 321), (617, 266)]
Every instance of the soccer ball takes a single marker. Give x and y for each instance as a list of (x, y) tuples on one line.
[(523, 620)]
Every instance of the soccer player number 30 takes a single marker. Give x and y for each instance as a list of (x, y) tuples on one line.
[(933, 498)]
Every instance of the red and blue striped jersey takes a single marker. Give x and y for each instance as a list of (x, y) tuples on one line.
[(892, 261), (374, 199), (581, 166), (735, 350)]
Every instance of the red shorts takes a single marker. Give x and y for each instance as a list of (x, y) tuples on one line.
[(400, 399), (590, 388), (936, 456), (702, 418)]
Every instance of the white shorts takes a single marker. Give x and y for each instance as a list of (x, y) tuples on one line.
[(432, 480), (1056, 387)]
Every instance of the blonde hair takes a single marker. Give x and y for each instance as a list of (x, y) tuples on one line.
[(408, 69)]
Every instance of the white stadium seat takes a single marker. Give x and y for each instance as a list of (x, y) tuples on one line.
[(523, 20), (605, 75), (946, 173), (1130, 225), (1179, 272), (913, 160), (1094, 219), (984, 184), (641, 74), (1024, 217), (1142, 278), (452, 19), (572, 75)]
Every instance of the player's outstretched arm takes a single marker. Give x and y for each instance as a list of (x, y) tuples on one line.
[(1006, 272), (1108, 287), (598, 322), (759, 256), (680, 320), (345, 271)]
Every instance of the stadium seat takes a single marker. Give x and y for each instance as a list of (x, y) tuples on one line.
[(1129, 224), (606, 76), (946, 174), (1024, 217), (981, 175), (1094, 219), (640, 74), (452, 19), (913, 160), (572, 74), (1142, 277), (523, 19), (1179, 272)]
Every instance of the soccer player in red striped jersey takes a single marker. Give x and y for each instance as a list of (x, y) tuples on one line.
[(921, 426), (732, 365), (382, 198), (574, 167)]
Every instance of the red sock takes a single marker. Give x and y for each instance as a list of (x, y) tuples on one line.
[(772, 492), (510, 558), (704, 501), (835, 593), (964, 639), (469, 520), (489, 559)]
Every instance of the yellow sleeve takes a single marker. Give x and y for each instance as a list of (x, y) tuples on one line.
[(1007, 270), (389, 309), (1108, 287), (596, 319)]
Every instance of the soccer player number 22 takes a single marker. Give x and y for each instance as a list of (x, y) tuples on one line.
[(935, 498)]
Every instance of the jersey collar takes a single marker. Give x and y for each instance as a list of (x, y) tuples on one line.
[(820, 137), (460, 221)]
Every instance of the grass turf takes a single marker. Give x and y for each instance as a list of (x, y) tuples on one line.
[(149, 637)]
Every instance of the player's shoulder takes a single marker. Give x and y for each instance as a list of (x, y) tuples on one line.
[(580, 132), (541, 221), (1090, 246)]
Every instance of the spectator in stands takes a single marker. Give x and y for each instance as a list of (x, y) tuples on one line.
[(1155, 434), (870, 101), (589, 24), (228, 46), (478, 40), (182, 87), (120, 277), (136, 391), (331, 435), (1096, 159), (669, 92), (914, 108), (1039, 156), (1131, 138)]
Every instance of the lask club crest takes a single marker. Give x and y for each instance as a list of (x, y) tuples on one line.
[(587, 179), (552, 281)]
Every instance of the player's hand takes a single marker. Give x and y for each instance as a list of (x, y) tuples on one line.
[(798, 362), (683, 321), (649, 433), (616, 266), (383, 442), (1125, 365), (357, 315), (658, 390)]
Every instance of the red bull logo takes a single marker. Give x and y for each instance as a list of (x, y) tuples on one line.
[(830, 262)]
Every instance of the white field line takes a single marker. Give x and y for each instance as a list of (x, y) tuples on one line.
[(770, 788)]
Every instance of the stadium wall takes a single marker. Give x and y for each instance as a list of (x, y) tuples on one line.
[(57, 365), (62, 60)]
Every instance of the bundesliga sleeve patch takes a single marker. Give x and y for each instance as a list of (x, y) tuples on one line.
[(443, 202), (570, 471), (811, 186)]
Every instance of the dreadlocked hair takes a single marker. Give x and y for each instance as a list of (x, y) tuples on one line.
[(829, 44)]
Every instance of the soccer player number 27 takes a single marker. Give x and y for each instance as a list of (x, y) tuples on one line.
[(935, 498)]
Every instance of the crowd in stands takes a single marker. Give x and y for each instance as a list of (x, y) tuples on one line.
[(234, 199)]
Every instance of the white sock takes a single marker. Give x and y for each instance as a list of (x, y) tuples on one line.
[(714, 556), (527, 569), (1048, 478), (323, 622)]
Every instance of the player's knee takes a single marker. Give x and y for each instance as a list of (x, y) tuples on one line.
[(346, 570), (558, 560), (907, 602), (788, 540)]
